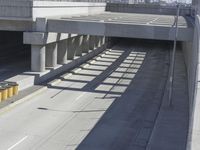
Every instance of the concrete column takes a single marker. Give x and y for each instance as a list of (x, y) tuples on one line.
[(86, 43), (103, 40), (92, 42), (71, 48), (78, 45), (37, 58), (96, 42), (109, 42), (62, 51), (100, 41), (51, 55)]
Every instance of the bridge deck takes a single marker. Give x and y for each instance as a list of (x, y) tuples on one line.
[(131, 25)]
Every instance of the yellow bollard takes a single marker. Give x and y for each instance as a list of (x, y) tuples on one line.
[(10, 91), (4, 94), (15, 89), (0, 96)]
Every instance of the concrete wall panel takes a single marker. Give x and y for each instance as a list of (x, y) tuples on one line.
[(32, 9), (191, 52)]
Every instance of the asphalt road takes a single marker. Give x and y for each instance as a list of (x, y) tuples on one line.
[(110, 104)]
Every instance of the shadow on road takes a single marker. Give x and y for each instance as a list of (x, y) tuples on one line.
[(133, 75)]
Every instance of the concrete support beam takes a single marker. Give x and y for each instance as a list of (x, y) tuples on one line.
[(99, 41), (103, 40), (78, 45), (92, 42), (109, 42), (51, 55), (37, 58), (147, 31), (62, 51), (96, 41), (71, 48), (42, 38), (86, 43)]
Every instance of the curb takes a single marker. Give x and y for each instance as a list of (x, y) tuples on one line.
[(26, 98)]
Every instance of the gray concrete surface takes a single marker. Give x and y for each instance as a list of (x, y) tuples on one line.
[(147, 9), (191, 51), (30, 10), (130, 25), (111, 103), (21, 15), (172, 124)]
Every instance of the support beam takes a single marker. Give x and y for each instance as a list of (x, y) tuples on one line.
[(78, 45), (126, 30), (62, 51), (92, 42), (51, 55), (71, 49), (86, 43), (99, 41), (37, 58)]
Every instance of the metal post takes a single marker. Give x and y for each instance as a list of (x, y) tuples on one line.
[(171, 77)]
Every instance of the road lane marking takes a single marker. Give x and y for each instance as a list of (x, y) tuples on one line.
[(80, 96), (10, 148)]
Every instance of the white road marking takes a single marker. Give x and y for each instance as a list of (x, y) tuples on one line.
[(10, 148), (80, 96)]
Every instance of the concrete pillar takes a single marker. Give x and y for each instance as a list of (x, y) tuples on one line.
[(62, 51), (103, 40), (100, 41), (109, 42), (96, 41), (71, 48), (78, 45), (51, 55), (86, 43), (37, 58), (92, 42)]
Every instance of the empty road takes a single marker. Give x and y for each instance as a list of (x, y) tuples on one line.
[(111, 103)]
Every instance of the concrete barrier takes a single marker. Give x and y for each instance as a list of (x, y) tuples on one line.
[(191, 52)]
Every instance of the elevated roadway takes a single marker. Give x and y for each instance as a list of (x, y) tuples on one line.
[(112, 102), (131, 25)]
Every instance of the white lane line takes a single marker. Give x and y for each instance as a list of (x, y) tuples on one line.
[(10, 148), (80, 96)]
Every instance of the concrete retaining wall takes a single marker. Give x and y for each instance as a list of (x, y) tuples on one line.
[(30, 10), (192, 59)]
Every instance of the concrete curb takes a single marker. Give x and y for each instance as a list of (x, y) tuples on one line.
[(26, 98)]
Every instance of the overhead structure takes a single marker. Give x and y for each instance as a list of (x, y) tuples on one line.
[(127, 25)]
